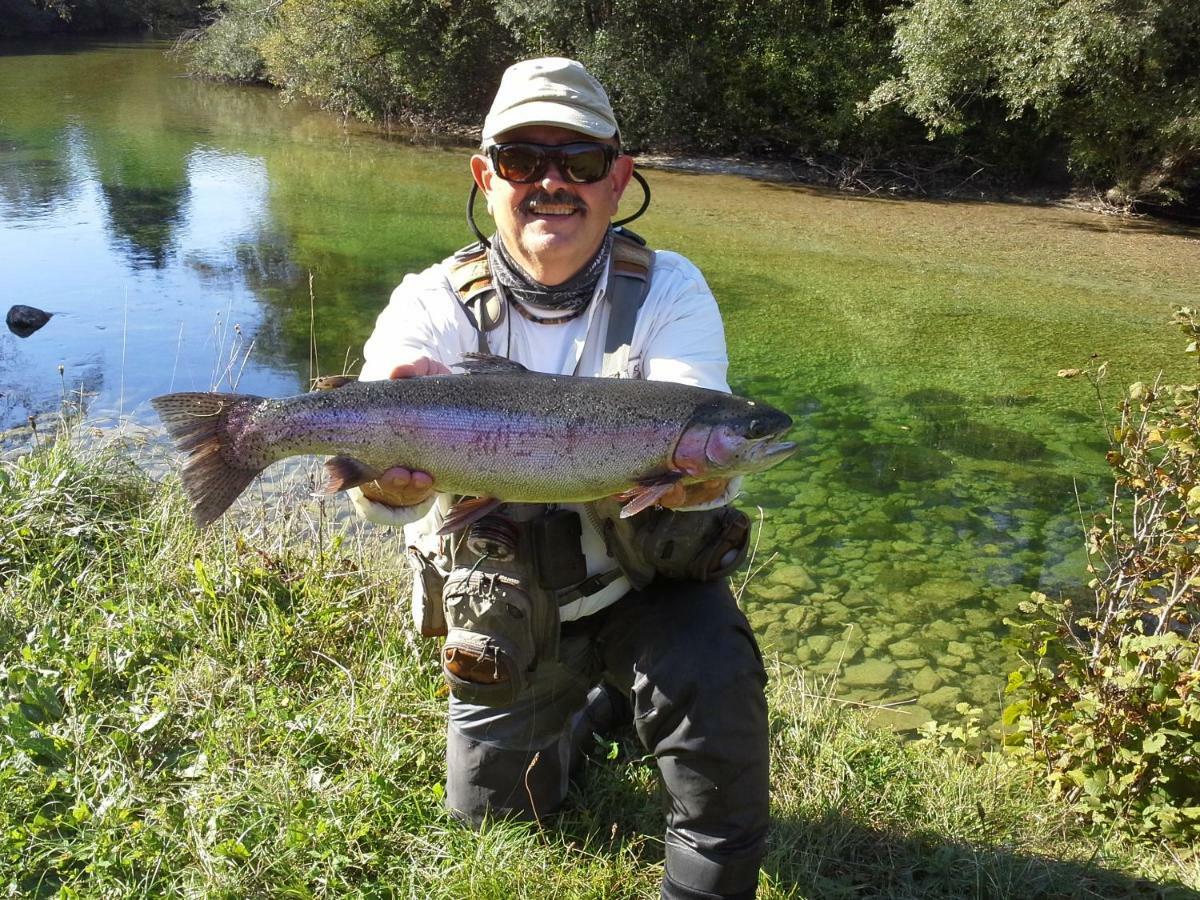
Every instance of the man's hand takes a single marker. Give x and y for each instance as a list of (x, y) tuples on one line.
[(421, 366), (399, 486), (693, 494)]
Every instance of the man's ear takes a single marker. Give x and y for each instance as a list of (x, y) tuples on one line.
[(622, 172), (482, 172), (618, 179)]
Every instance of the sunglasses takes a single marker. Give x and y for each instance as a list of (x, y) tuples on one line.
[(583, 162)]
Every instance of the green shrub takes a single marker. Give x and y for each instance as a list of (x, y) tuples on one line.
[(228, 47), (1108, 698)]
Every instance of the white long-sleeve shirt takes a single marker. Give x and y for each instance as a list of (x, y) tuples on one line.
[(678, 336)]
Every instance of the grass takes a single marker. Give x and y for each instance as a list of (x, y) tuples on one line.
[(248, 713)]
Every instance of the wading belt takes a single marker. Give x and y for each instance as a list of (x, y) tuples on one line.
[(628, 283)]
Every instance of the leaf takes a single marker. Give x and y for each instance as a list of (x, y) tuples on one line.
[(151, 723), (1015, 711), (1154, 743), (203, 580)]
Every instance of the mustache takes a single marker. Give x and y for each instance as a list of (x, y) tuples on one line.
[(561, 197)]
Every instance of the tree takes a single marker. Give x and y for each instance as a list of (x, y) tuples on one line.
[(1116, 81)]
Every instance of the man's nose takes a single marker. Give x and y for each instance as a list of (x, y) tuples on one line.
[(553, 175)]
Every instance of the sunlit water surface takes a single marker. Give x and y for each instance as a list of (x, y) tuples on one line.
[(189, 235)]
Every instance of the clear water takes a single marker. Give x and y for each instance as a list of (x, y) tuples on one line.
[(190, 235)]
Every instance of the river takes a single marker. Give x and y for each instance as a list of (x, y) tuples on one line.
[(189, 235)]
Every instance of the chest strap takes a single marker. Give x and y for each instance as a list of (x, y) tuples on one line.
[(629, 276)]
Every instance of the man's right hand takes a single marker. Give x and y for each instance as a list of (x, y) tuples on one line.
[(399, 486)]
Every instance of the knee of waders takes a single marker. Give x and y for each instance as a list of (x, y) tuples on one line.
[(485, 781)]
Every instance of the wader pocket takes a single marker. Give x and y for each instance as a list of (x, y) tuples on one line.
[(684, 546), (428, 585), (491, 645)]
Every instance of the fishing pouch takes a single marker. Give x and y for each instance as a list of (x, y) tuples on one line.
[(680, 546), (427, 594), (500, 626)]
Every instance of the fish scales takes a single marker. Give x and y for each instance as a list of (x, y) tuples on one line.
[(563, 441), (500, 432)]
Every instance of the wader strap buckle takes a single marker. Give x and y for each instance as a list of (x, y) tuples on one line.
[(586, 588)]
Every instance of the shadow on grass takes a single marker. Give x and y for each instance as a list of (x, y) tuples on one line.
[(614, 810), (835, 859)]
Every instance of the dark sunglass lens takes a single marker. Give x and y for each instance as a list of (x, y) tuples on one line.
[(584, 165), (519, 162)]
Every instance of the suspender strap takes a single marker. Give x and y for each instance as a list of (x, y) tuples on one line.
[(628, 283), (472, 282)]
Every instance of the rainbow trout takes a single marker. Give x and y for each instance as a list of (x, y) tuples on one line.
[(499, 433)]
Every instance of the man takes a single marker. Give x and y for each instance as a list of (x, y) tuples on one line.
[(677, 651)]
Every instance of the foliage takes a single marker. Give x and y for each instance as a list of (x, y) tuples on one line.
[(762, 76), (375, 59), (228, 46), (1108, 698), (1116, 82), (767, 75), (25, 17), (1113, 83)]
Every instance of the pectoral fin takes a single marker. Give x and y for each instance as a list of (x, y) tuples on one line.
[(345, 472), (467, 512), (647, 494)]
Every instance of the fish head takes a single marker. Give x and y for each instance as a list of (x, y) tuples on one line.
[(734, 437)]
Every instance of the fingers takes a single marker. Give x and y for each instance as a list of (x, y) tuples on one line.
[(694, 494), (419, 367), (676, 496), (401, 480), (399, 486)]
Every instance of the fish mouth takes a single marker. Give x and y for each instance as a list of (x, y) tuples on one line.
[(779, 451), (771, 453)]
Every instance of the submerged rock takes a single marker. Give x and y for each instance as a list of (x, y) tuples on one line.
[(25, 320), (873, 672), (926, 681), (794, 577)]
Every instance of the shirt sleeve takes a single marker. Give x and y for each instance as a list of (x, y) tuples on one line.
[(684, 338), (420, 319)]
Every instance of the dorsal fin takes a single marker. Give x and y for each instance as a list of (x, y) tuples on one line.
[(482, 363)]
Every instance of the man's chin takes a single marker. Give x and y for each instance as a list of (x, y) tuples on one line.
[(553, 235)]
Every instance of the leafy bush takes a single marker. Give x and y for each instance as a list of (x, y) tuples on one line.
[(227, 46), (374, 59), (1116, 83), (1108, 698), (773, 75)]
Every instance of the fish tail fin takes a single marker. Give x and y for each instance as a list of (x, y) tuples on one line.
[(205, 427)]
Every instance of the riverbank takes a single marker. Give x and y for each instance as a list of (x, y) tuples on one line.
[(248, 712), (955, 181)]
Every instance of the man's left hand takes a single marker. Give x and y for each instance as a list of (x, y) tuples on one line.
[(681, 495)]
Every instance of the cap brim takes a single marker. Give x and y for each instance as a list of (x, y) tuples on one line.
[(542, 112)]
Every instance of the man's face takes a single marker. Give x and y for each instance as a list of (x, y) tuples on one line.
[(552, 227)]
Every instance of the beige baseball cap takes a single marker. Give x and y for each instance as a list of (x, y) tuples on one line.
[(551, 90)]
